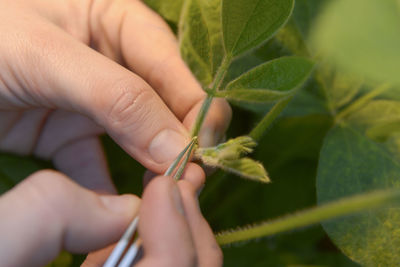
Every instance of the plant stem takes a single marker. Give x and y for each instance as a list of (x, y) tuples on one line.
[(258, 131), (341, 207), (219, 77), (362, 101), (201, 116)]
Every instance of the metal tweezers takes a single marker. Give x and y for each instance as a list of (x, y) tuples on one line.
[(124, 256)]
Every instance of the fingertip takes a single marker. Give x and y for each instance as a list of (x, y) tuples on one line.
[(195, 175), (162, 222), (126, 205), (208, 251)]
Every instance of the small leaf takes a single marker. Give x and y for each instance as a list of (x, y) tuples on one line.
[(201, 39), (231, 149), (269, 82), (248, 23), (246, 168), (227, 156)]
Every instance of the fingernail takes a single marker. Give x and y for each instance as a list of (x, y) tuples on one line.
[(120, 204), (176, 196), (166, 146)]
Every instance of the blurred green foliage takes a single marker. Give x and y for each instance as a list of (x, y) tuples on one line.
[(358, 132)]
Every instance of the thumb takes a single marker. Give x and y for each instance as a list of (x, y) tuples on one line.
[(47, 213)]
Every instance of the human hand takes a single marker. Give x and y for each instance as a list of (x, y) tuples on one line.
[(61, 84), (57, 93), (47, 213)]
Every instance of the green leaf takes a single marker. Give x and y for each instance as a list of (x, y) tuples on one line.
[(269, 82), (168, 9), (248, 23), (324, 212), (362, 36), (201, 39), (350, 163)]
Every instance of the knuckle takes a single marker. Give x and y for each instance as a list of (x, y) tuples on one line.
[(128, 103), (159, 70), (47, 189)]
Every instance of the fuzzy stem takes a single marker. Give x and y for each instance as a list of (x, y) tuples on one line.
[(258, 131), (219, 77), (201, 116), (341, 207)]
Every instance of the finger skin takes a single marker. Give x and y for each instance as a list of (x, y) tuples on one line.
[(209, 254), (84, 161), (193, 173), (47, 213), (166, 236)]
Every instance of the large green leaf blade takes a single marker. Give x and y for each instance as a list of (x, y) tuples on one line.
[(350, 163), (269, 82), (248, 23), (362, 36), (201, 39)]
